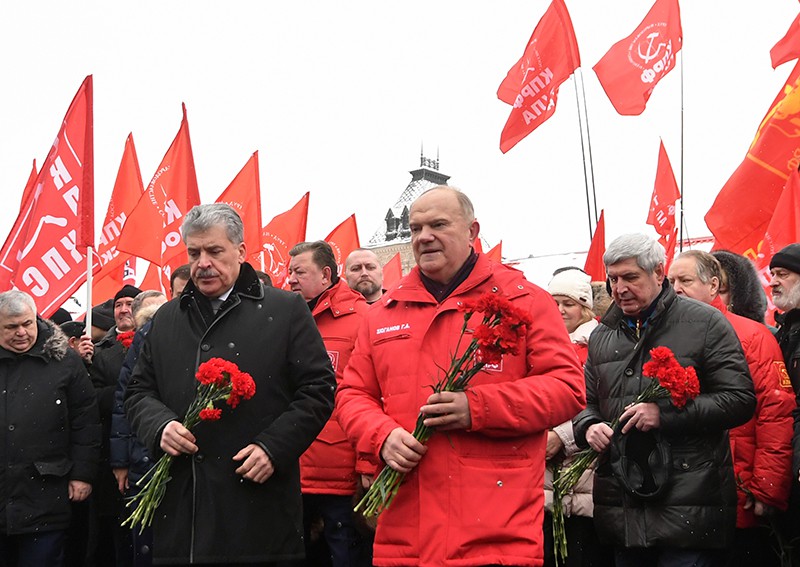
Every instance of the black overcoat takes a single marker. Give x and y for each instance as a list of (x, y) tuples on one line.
[(209, 513)]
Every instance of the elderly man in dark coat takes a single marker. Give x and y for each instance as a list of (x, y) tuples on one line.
[(234, 496), (664, 488), (51, 434)]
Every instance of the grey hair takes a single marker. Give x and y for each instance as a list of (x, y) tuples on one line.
[(464, 202), (706, 265), (647, 252), (138, 301), (14, 302), (204, 217)]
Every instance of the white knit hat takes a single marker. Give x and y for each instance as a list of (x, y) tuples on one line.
[(574, 284)]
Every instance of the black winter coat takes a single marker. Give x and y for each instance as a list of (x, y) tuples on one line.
[(698, 508), (209, 513), (788, 337), (51, 433)]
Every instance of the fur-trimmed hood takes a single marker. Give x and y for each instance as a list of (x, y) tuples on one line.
[(55, 343), (747, 297), (144, 315)]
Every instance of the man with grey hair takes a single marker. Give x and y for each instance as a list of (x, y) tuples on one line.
[(51, 434), (664, 489), (234, 496)]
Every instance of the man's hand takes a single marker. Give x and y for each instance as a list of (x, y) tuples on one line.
[(760, 509), (366, 481), (401, 451), (642, 416), (447, 410), (86, 348), (554, 445), (598, 436), (79, 490), (257, 465), (177, 440), (122, 479)]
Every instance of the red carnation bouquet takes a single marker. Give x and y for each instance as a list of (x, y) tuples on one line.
[(217, 380), (126, 339), (502, 331), (669, 380)]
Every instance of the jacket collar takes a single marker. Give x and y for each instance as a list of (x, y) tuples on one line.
[(339, 298)]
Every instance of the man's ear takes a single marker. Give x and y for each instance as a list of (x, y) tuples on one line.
[(474, 230)]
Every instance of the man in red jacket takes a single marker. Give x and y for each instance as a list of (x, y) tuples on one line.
[(473, 494), (328, 469), (761, 448)]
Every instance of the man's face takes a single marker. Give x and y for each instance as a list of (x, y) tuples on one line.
[(123, 316), (441, 237), (785, 286), (214, 261), (683, 277), (632, 288), (177, 286), (18, 332), (306, 278), (363, 273)]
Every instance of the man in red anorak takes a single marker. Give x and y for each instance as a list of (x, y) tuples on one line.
[(473, 494)]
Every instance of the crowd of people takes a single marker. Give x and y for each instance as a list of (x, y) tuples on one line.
[(344, 372)]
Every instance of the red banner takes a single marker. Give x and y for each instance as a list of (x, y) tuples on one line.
[(392, 271), (9, 254), (665, 195), (788, 47), (170, 195), (496, 253), (633, 66), (531, 85), (743, 208), (783, 229), (57, 223), (344, 239), (244, 196), (278, 237), (126, 193), (594, 265)]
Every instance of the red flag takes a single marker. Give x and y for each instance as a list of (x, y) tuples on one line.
[(531, 85), (170, 195), (665, 195), (477, 245), (58, 224), (633, 66), (244, 195), (669, 243), (594, 265), (496, 253), (124, 197), (278, 237), (783, 229), (743, 208), (392, 271), (9, 254), (788, 47), (344, 239)]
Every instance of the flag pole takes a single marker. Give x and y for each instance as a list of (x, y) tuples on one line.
[(680, 236), (583, 153), (87, 330), (589, 145)]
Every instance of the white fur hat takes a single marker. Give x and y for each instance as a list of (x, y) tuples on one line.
[(574, 284)]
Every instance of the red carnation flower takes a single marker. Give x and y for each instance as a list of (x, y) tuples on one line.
[(210, 414)]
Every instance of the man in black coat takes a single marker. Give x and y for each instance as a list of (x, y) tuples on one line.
[(234, 496), (664, 488), (51, 434)]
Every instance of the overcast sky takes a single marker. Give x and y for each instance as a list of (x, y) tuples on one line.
[(338, 96)]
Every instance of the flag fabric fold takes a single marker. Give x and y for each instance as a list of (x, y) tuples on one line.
[(152, 230), (594, 265), (56, 225), (9, 253), (392, 271), (632, 68), (343, 240), (665, 195), (531, 85), (739, 216), (496, 253), (788, 47), (244, 196), (279, 236)]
